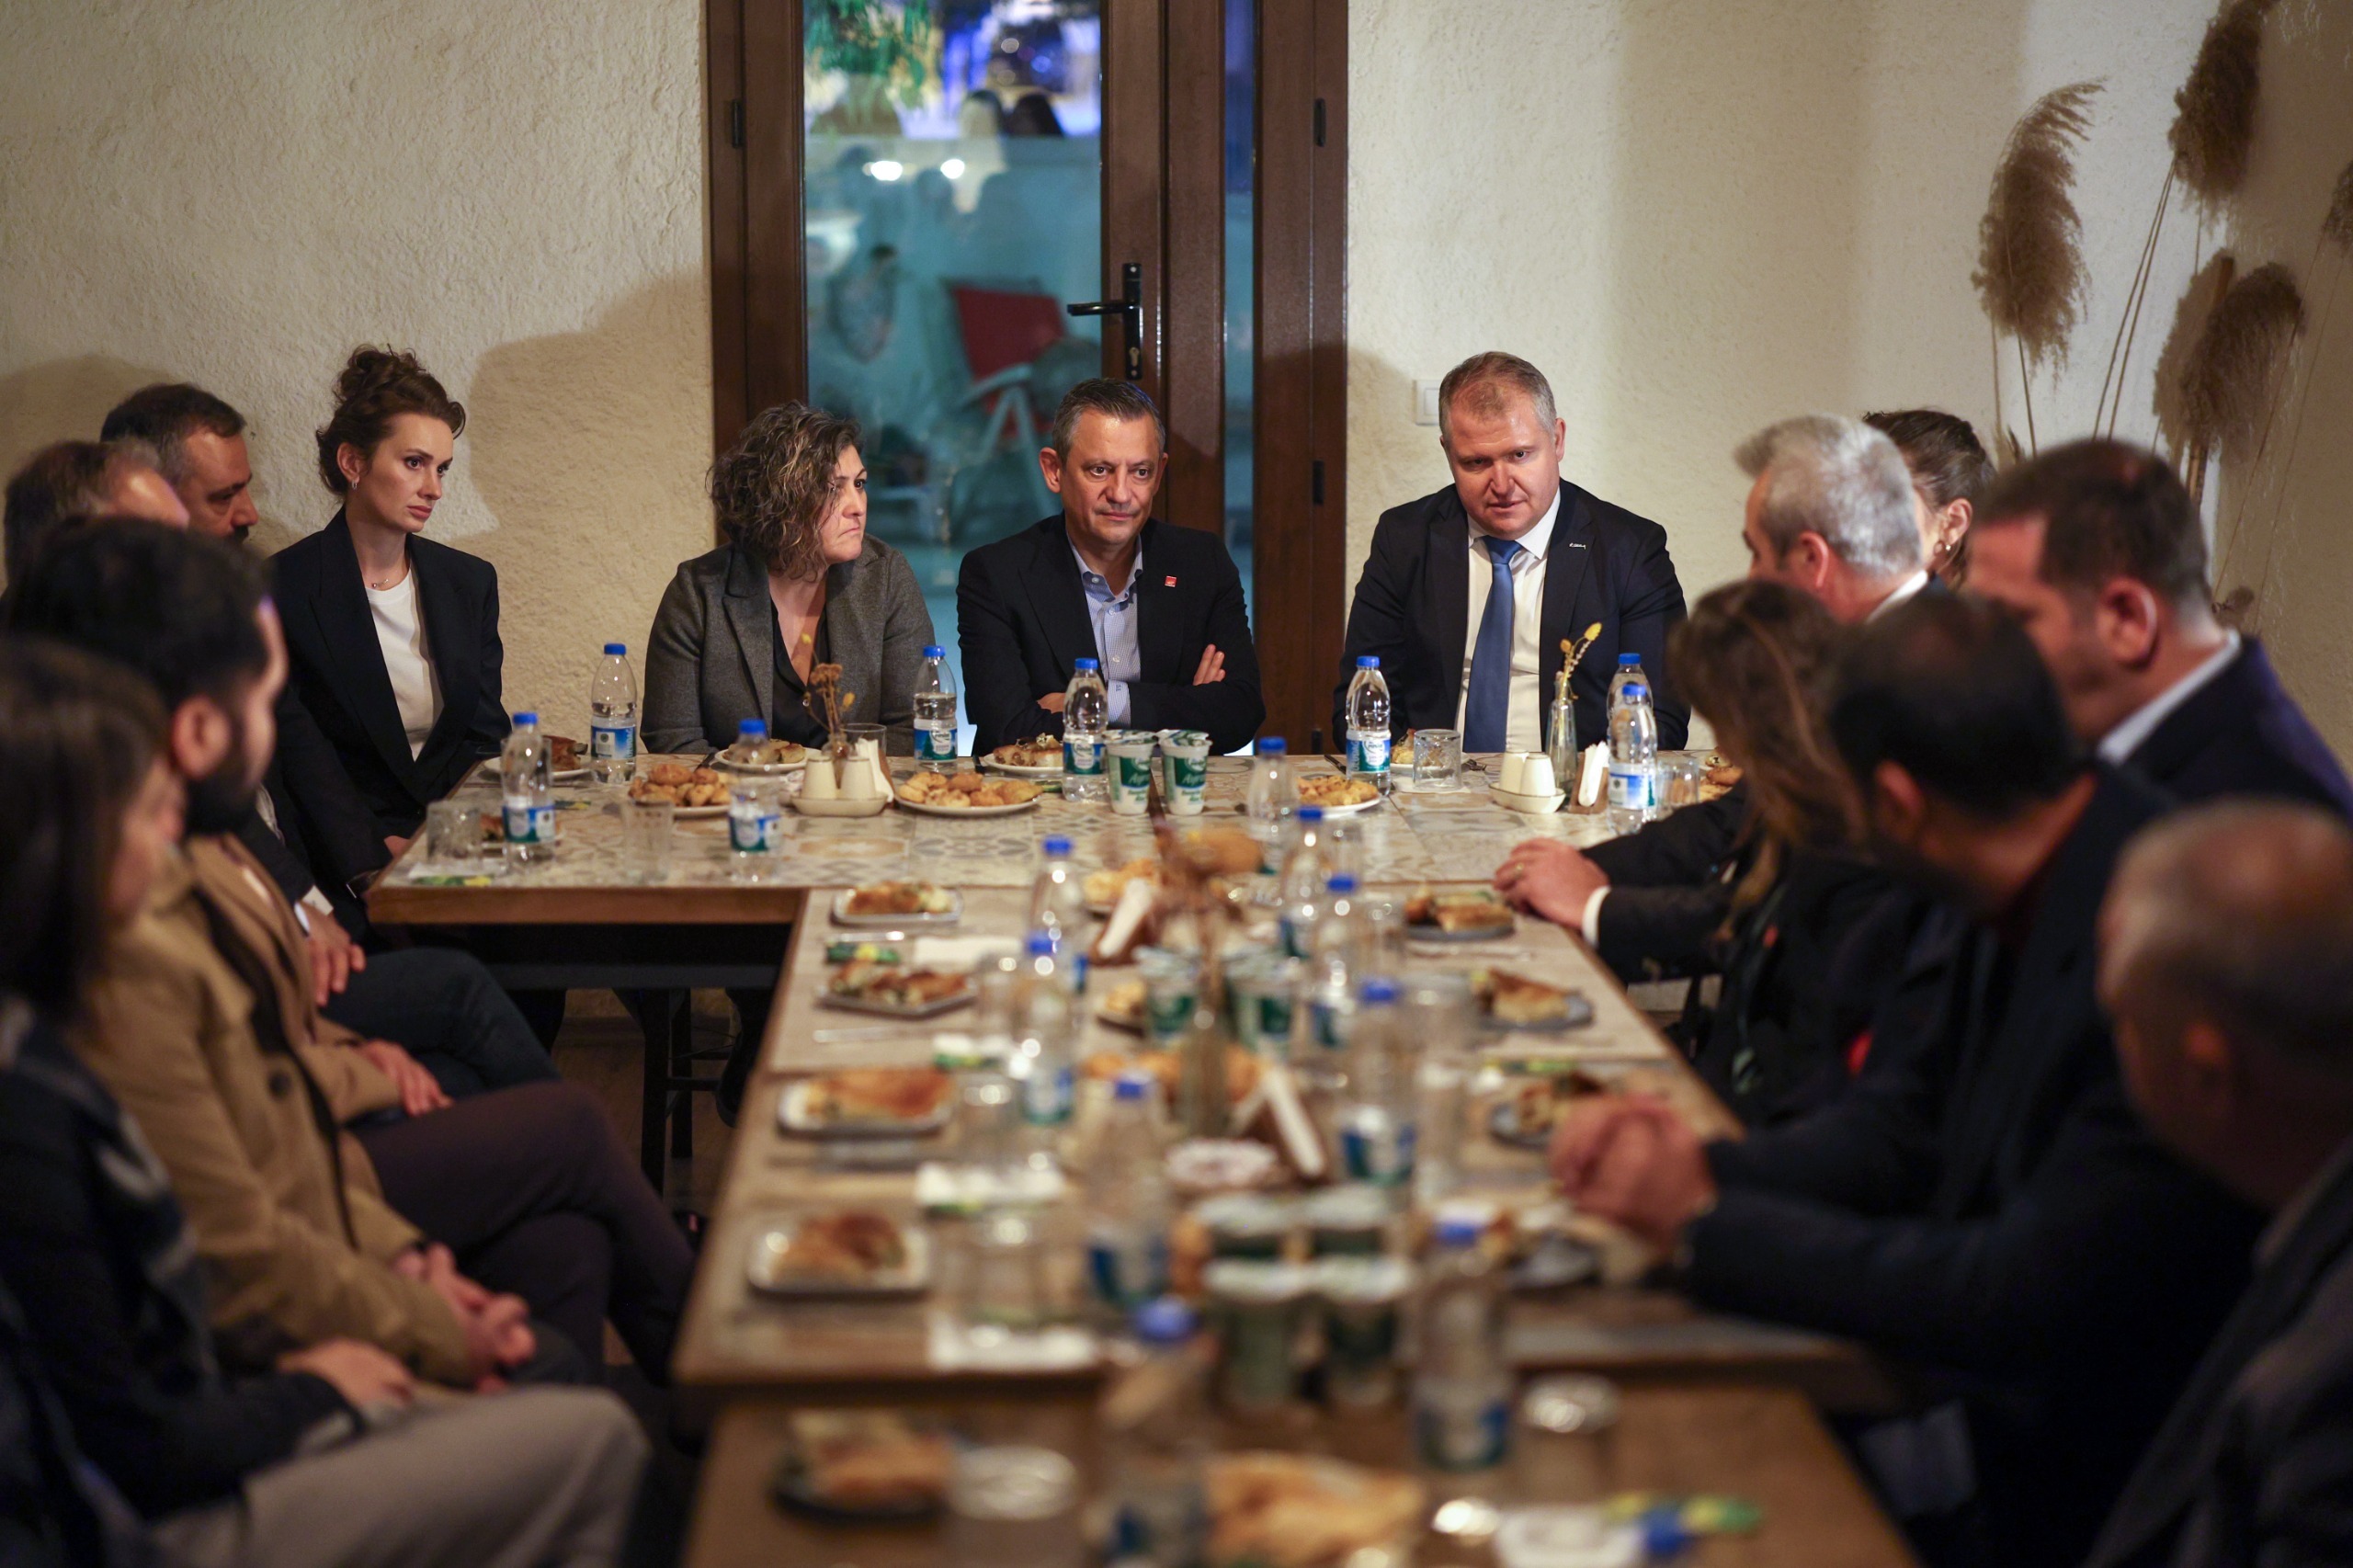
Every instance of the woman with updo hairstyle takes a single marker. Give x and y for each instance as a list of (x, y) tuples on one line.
[(1949, 470), (391, 639), (800, 583)]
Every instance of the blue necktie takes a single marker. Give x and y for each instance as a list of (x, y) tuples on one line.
[(1486, 714)]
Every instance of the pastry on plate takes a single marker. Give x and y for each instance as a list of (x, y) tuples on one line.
[(1044, 751), (1304, 1510), (877, 1094), (894, 985), (899, 898), (849, 1245), (1476, 910), (869, 1460), (967, 792), (1331, 790), (680, 785), (1514, 999)]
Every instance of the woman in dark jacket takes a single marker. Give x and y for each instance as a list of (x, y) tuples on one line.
[(799, 583), (305, 1461), (391, 639)]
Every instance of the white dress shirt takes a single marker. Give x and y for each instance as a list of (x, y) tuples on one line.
[(1113, 616), (1524, 722), (416, 690), (1908, 588), (2121, 743)]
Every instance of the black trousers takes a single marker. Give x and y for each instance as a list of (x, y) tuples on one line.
[(442, 1007), (533, 1193)]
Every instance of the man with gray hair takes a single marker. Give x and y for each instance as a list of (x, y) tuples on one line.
[(1471, 592), (1831, 513), (2227, 962), (74, 482), (199, 443)]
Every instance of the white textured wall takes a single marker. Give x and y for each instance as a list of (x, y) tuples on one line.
[(237, 191), (1700, 215)]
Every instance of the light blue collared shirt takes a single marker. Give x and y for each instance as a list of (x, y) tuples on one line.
[(1113, 617)]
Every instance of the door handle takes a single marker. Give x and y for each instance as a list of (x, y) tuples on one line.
[(1128, 308)]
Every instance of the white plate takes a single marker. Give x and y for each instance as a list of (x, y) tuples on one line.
[(760, 770), (892, 1009), (1529, 805), (769, 1247), (873, 806), (696, 813), (947, 916), (966, 812), (572, 776), (1053, 770), (792, 1115)]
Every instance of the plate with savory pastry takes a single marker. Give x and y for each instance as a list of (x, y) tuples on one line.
[(967, 794), (844, 1252), (1526, 1117), (1287, 1510), (763, 758), (1038, 757), (901, 903), (695, 791), (895, 991), (869, 1102), (1508, 1001), (1338, 794), (1121, 1006), (1102, 888), (1469, 915), (864, 1465), (566, 764)]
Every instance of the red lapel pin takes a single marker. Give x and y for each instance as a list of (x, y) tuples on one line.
[(1168, 582)]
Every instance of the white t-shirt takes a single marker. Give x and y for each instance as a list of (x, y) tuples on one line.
[(401, 634)]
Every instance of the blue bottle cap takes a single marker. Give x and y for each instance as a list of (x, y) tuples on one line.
[(752, 727), (1167, 1321), (1272, 747), (1380, 993), (1311, 813), (1458, 1231), (1625, 659), (621, 648), (523, 719), (1056, 846), (1089, 664), (1041, 943), (1368, 662), (1131, 1086), (1342, 882), (934, 650)]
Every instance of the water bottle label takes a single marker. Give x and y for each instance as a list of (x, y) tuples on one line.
[(1634, 787), (612, 743), (1459, 1437), (1368, 752), (751, 830), (1327, 1024), (1128, 1270), (1083, 756), (1377, 1147), (936, 744), (530, 825), (1047, 1098)]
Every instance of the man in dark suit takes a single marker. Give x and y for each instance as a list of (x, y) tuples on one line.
[(2227, 959), (2096, 548), (1830, 512), (1987, 1207), (1469, 591), (1161, 608)]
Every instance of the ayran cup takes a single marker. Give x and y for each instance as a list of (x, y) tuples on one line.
[(1185, 769), (1128, 766)]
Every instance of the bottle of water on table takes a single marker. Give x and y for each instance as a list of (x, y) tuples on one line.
[(754, 814), (527, 805), (1462, 1383), (612, 717), (935, 704), (1633, 747), (1128, 1209), (1160, 1445), (1272, 799), (1043, 1066), (1377, 1118), (1058, 908), (1301, 887), (1367, 711), (1087, 716)]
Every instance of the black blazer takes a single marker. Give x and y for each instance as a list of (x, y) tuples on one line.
[(338, 668), (1667, 889), (1412, 610), (1988, 1204), (2242, 734), (2255, 1465), (1021, 617)]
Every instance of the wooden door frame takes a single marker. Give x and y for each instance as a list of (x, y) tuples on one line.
[(1164, 52)]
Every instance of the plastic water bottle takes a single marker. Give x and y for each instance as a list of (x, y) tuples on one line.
[(1462, 1383), (1633, 747), (1086, 715), (527, 808), (1273, 798), (1368, 709), (1058, 908), (1377, 1120), (1305, 871), (1334, 950), (612, 717), (1043, 1066), (754, 818), (1126, 1191), (935, 704), (1160, 1438)]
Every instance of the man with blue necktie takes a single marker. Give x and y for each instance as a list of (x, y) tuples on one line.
[(1469, 593)]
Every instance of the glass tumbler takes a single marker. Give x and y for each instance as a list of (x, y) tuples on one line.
[(453, 836), (1438, 759), (646, 839)]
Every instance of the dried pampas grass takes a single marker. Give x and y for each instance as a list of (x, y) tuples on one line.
[(2239, 356), (2214, 125), (2172, 401), (2030, 262)]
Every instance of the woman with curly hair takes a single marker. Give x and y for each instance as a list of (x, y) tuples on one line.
[(799, 584)]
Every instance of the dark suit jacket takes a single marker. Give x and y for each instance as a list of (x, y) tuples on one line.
[(1667, 888), (1021, 617), (2255, 1465), (338, 668), (1991, 1207), (1412, 610), (2242, 734)]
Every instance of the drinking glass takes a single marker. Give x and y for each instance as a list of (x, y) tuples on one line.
[(646, 839), (1013, 1507), (859, 735), (452, 835), (1005, 1283), (1438, 759), (1679, 778)]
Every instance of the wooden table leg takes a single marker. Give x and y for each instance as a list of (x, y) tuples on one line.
[(657, 1017)]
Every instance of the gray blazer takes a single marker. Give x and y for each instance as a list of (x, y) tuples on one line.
[(710, 658)]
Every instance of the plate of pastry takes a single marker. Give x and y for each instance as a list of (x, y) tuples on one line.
[(695, 791), (869, 1102), (1526, 1117), (1287, 1510), (1102, 888), (895, 991), (897, 903), (1338, 794), (967, 794), (843, 1252), (566, 764), (1038, 757), (1467, 914), (763, 758), (864, 1465), (1508, 1001)]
